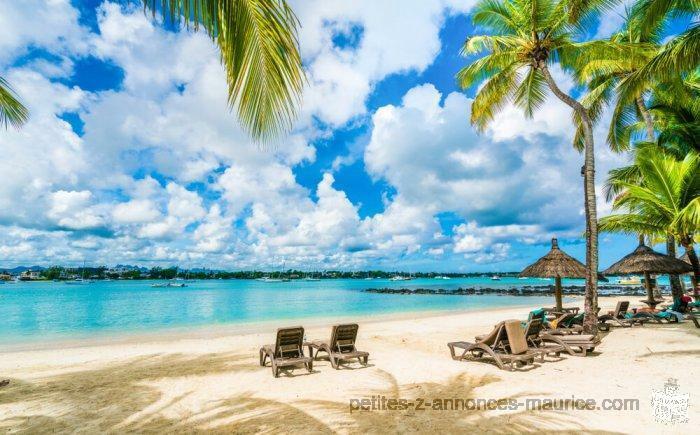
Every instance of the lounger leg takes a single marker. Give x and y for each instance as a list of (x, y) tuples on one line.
[(275, 372), (263, 357)]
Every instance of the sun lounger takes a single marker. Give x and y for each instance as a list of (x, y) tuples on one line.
[(287, 351), (506, 344), (340, 347), (584, 342), (617, 317), (540, 338), (562, 325)]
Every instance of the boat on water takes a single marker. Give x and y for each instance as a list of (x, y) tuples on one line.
[(400, 278), (308, 278), (442, 277), (168, 284), (630, 280), (495, 278), (268, 279), (79, 281)]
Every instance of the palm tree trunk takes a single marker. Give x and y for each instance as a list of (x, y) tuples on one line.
[(590, 319), (648, 121), (687, 243), (676, 289)]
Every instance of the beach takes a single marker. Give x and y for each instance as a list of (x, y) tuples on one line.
[(212, 382)]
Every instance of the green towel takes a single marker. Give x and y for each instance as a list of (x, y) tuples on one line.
[(574, 320)]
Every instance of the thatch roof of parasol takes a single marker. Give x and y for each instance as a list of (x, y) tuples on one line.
[(556, 263), (644, 259)]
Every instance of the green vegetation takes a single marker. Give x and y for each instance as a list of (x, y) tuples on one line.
[(523, 39), (12, 112), (652, 89), (133, 272), (259, 50)]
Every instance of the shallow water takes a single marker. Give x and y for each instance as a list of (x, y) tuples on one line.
[(40, 310)]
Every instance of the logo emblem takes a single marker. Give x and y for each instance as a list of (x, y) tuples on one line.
[(669, 405)]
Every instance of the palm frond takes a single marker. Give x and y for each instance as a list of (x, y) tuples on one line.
[(494, 15), (619, 134), (12, 112), (259, 50), (632, 224), (531, 93), (484, 67), (495, 93)]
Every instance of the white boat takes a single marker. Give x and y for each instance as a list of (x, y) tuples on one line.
[(308, 278), (442, 277), (268, 279), (399, 278), (495, 278), (168, 284), (630, 280)]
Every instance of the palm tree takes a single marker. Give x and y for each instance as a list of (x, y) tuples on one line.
[(259, 50), (525, 37), (631, 115), (681, 55), (12, 112), (605, 80), (664, 200)]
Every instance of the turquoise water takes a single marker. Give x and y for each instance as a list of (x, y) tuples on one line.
[(45, 310)]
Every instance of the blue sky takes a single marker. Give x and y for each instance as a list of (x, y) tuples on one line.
[(131, 155)]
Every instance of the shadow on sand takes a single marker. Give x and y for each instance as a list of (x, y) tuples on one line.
[(118, 399)]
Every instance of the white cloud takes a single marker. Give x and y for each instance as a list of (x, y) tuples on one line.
[(408, 41), (48, 24), (164, 173), (135, 211), (519, 181)]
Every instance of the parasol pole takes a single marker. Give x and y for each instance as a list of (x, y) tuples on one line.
[(557, 293)]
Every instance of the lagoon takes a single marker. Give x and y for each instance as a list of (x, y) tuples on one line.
[(32, 311)]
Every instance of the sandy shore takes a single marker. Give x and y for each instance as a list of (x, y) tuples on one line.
[(212, 382)]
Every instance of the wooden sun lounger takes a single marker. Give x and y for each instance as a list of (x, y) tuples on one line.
[(584, 342), (287, 351), (340, 347), (545, 343), (694, 318), (618, 318), (506, 344), (560, 328)]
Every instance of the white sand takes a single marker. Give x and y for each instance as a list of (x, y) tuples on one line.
[(213, 382)]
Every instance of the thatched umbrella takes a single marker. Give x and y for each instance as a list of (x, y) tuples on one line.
[(556, 264), (647, 261)]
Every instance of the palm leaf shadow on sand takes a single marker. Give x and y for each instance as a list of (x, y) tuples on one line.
[(118, 399), (463, 386)]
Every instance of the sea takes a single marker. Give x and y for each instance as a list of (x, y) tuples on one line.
[(48, 310)]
